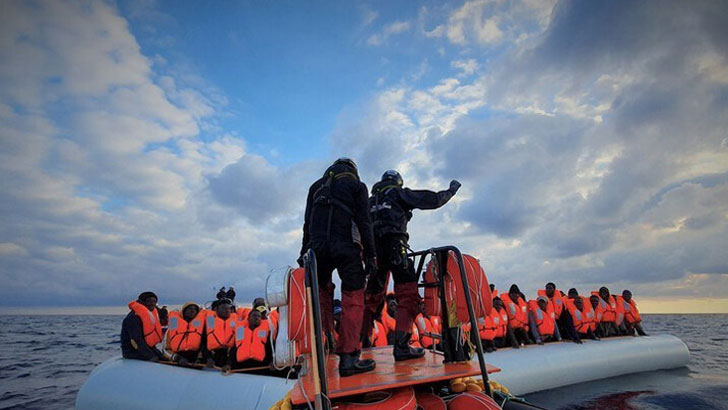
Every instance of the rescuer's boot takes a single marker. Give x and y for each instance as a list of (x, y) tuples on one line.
[(402, 349)]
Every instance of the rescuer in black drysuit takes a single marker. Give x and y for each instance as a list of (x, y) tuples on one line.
[(337, 227), (390, 206)]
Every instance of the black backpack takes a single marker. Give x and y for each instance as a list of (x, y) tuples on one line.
[(323, 197)]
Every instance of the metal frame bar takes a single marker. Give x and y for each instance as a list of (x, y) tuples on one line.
[(311, 275)]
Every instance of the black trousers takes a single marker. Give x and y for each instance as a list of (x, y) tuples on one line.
[(392, 257), (343, 256)]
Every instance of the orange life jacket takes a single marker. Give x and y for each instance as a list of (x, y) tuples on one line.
[(545, 321), (619, 311), (379, 334), (517, 312), (388, 321), (609, 308), (415, 339), (489, 325), (436, 324), (150, 323), (250, 343), (273, 318), (598, 313), (184, 336), (557, 301), (494, 293), (589, 315), (581, 323), (424, 325), (220, 333), (242, 313), (503, 325), (631, 313)]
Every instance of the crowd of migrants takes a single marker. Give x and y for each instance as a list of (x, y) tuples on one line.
[(364, 238), (231, 337)]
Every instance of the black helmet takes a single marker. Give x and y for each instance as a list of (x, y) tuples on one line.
[(394, 176), (347, 161)]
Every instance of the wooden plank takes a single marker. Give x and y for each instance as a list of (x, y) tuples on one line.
[(388, 374)]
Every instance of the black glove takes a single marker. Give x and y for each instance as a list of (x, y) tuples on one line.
[(370, 267), (454, 186)]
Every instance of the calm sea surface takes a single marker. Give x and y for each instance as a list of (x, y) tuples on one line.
[(44, 360)]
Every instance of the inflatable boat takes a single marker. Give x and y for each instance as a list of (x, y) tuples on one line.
[(436, 381)]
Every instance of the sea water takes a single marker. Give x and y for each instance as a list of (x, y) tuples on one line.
[(44, 360)]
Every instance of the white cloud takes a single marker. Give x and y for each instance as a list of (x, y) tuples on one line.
[(467, 67), (388, 31)]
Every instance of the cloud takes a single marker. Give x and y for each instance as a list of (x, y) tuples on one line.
[(388, 31)]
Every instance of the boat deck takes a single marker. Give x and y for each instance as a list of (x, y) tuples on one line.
[(388, 374)]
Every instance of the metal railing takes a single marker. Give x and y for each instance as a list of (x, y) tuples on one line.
[(439, 256)]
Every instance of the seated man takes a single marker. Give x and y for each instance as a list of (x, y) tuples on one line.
[(543, 320), (489, 327), (185, 334), (424, 325), (517, 311), (141, 330), (252, 341), (582, 316), (219, 335), (632, 318), (597, 327), (609, 312), (388, 315), (504, 335)]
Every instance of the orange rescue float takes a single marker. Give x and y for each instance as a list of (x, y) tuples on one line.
[(455, 291), (400, 399)]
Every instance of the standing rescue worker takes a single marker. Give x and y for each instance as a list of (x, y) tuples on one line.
[(141, 330), (391, 208), (337, 227)]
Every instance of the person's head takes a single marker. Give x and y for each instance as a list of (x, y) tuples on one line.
[(626, 295), (222, 288), (190, 310), (231, 288), (347, 163), (604, 292), (514, 292), (263, 311), (224, 308), (258, 302), (337, 310), (498, 303), (594, 299), (543, 302), (422, 307), (149, 300), (579, 303), (492, 287), (393, 176), (254, 318), (573, 293), (550, 289), (163, 315), (392, 307)]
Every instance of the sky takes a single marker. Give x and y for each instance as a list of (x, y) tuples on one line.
[(169, 146)]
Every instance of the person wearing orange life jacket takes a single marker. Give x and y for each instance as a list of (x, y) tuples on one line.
[(609, 312), (186, 333), (141, 330), (632, 318), (388, 318), (517, 310), (493, 291), (378, 337), (424, 325), (574, 319), (587, 319), (488, 329), (597, 327), (542, 320), (557, 303), (219, 334), (252, 341), (504, 336)]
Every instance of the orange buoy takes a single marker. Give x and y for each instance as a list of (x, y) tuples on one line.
[(472, 401), (429, 401), (455, 291), (400, 399), (297, 320)]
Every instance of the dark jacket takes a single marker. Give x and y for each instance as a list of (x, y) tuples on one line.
[(391, 206), (349, 223), (131, 329), (221, 294)]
